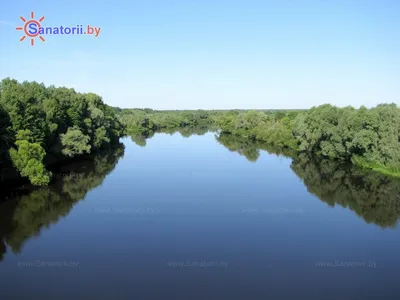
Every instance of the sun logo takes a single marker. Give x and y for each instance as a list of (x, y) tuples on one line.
[(31, 28)]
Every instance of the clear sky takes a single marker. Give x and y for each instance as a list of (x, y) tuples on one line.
[(190, 54)]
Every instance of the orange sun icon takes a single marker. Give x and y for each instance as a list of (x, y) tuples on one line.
[(31, 28)]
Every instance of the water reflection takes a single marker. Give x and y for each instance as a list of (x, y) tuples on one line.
[(140, 139), (25, 215), (250, 149), (373, 196), (242, 146)]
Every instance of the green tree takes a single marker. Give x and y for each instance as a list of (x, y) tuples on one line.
[(28, 159), (74, 142)]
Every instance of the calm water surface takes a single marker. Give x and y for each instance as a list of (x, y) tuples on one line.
[(177, 217)]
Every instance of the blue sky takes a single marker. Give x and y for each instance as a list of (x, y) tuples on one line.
[(191, 54)]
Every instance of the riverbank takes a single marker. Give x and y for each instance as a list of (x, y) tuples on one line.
[(368, 138)]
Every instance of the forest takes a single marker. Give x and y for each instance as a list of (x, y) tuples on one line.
[(368, 138), (41, 126), (146, 121)]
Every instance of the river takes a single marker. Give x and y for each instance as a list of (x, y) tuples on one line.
[(181, 216)]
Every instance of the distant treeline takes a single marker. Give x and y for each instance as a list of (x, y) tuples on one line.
[(146, 121), (41, 125), (366, 137)]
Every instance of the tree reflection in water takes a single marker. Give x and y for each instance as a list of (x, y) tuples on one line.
[(26, 215), (373, 196)]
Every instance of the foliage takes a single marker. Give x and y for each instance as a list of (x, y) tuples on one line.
[(5, 139), (28, 159), (58, 122), (365, 137), (143, 121), (74, 142)]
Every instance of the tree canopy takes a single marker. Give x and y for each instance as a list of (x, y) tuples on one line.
[(366, 137), (41, 125)]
